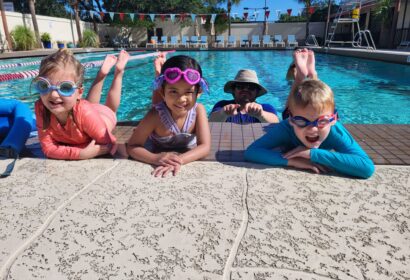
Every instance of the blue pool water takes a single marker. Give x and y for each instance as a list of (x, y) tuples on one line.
[(366, 92)]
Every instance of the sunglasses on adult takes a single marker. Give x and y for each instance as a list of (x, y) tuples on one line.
[(246, 86), (64, 88)]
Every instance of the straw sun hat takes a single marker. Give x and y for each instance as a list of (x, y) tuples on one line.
[(245, 76)]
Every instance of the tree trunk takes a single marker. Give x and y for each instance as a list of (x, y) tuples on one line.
[(77, 22), (307, 18), (34, 20), (394, 24), (229, 17), (5, 26)]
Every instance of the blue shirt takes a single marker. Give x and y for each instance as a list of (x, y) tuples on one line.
[(242, 118), (339, 151)]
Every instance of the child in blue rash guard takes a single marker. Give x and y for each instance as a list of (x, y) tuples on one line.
[(311, 138)]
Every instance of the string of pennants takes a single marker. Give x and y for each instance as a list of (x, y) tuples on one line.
[(152, 16)]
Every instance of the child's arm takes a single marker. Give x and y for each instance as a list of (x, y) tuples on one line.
[(262, 150), (135, 146), (348, 157), (203, 136), (158, 62)]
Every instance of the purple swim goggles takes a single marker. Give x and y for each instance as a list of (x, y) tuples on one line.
[(173, 75)]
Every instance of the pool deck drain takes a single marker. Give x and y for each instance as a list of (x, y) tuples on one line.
[(108, 218)]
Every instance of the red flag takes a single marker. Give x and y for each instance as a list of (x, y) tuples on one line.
[(311, 10), (162, 17), (141, 16), (245, 15), (102, 15), (267, 14), (289, 11), (203, 17), (182, 16), (121, 16)]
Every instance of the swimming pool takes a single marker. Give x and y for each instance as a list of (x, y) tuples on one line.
[(366, 92)]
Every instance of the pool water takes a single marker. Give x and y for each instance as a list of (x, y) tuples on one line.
[(366, 92)]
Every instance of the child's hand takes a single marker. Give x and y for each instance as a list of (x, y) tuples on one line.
[(158, 62), (254, 109), (231, 109), (303, 163), (164, 170), (93, 150), (167, 159), (298, 152)]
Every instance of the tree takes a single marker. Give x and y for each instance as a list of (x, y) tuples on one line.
[(5, 26), (34, 20), (308, 4)]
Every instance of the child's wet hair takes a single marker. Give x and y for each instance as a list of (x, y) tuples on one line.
[(314, 93), (60, 59), (290, 74)]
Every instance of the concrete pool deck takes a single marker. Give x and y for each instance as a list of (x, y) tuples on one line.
[(109, 218)]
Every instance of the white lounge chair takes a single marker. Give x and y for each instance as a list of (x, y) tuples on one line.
[(153, 42), (184, 41), (194, 42), (204, 42), (292, 41), (220, 41), (173, 42), (163, 42), (279, 41), (266, 41), (255, 41), (231, 41)]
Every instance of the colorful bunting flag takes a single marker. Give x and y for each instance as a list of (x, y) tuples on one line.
[(162, 17), (193, 17), (245, 15), (111, 15), (311, 10), (289, 11), (132, 17), (102, 15), (267, 14), (172, 16), (141, 16), (182, 17), (152, 17), (213, 17), (121, 16)]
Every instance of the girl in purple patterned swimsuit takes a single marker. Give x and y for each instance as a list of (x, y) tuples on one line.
[(175, 131)]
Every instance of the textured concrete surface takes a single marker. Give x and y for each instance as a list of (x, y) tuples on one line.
[(110, 219)]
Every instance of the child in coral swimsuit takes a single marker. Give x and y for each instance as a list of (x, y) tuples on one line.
[(70, 127)]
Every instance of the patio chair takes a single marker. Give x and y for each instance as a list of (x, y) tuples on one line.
[(244, 41), (255, 41), (292, 41), (184, 42), (220, 41), (194, 42), (266, 41), (173, 42), (404, 45), (204, 42), (231, 41), (153, 42), (163, 42), (279, 41)]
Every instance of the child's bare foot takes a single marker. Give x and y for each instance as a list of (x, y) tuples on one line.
[(158, 62), (300, 56), (311, 67), (122, 61), (108, 63)]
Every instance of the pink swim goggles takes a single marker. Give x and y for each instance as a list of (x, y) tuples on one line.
[(173, 75)]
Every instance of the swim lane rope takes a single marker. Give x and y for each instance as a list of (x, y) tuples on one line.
[(32, 73)]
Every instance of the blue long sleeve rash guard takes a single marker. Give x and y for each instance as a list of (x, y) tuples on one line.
[(339, 151)]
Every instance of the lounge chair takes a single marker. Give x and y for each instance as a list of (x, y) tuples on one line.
[(231, 41), (184, 42), (173, 42), (292, 41), (266, 41), (255, 41), (279, 41), (153, 42), (204, 42), (404, 45), (220, 41), (244, 41), (163, 42), (194, 42)]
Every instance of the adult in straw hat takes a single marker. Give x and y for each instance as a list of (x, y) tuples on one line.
[(243, 109)]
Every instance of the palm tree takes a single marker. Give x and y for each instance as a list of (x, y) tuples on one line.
[(34, 20), (6, 29), (230, 2), (74, 6)]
